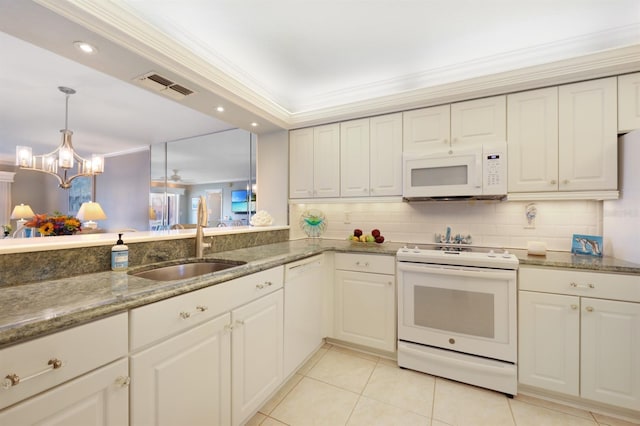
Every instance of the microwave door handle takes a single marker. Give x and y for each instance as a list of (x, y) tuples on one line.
[(479, 170)]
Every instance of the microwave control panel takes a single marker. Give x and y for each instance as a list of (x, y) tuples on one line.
[(494, 171)]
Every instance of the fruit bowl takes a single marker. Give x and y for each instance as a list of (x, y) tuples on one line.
[(358, 237)]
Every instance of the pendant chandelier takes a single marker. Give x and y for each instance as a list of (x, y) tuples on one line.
[(60, 162)]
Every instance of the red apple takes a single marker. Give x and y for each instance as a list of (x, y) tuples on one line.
[(375, 233), (379, 239), (357, 232)]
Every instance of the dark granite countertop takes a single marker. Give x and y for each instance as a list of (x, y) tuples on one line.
[(33, 310)]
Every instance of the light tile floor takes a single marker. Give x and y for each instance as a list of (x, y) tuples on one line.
[(338, 386)]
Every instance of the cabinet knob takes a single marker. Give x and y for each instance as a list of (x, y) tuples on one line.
[(566, 181), (589, 308), (574, 307), (263, 285), (445, 140), (365, 190), (123, 381), (553, 182)]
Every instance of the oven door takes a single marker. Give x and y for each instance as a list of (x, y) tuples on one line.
[(465, 309), (443, 174)]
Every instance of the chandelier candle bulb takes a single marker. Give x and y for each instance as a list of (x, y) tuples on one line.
[(119, 255)]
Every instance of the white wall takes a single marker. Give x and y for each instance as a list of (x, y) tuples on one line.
[(621, 218), (123, 191), (273, 175), (493, 224)]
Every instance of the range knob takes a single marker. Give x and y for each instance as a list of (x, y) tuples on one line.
[(416, 249), (506, 254), (491, 253)]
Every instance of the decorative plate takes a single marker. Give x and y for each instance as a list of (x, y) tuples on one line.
[(313, 223)]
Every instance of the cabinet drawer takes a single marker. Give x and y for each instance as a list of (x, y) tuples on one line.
[(374, 263), (80, 350), (162, 319), (580, 283)]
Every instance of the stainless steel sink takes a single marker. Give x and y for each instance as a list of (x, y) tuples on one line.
[(184, 270)]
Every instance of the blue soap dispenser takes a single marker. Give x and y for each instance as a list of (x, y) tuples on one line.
[(119, 255)]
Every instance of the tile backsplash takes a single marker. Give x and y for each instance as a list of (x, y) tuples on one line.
[(493, 224)]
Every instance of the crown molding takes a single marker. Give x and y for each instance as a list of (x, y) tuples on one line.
[(601, 64), (115, 22)]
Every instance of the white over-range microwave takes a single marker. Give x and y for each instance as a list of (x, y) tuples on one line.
[(479, 172)]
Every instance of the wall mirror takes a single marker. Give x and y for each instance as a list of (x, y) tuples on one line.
[(221, 166)]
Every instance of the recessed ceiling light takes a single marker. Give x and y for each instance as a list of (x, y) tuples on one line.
[(85, 47), (254, 124), (220, 109)]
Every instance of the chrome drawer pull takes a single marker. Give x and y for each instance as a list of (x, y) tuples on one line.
[(575, 285), (589, 308), (199, 308), (13, 379)]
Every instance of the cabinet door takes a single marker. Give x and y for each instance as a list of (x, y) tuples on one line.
[(611, 352), (548, 334), (365, 309), (326, 161), (427, 129), (301, 163), (588, 139), (257, 344), (385, 154), (532, 131), (303, 308), (354, 158), (184, 380), (99, 398), (628, 102), (479, 121)]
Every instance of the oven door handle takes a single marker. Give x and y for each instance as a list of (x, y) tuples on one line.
[(461, 271)]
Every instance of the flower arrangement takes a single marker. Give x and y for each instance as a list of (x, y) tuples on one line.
[(56, 224)]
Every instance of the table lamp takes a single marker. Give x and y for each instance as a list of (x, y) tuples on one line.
[(22, 212), (91, 212)]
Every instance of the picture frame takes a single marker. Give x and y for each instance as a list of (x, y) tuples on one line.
[(80, 192), (194, 203), (590, 245)]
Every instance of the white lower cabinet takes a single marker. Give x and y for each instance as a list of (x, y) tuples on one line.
[(185, 379), (99, 398), (257, 347), (549, 337), (575, 340), (208, 357), (304, 286), (365, 303)]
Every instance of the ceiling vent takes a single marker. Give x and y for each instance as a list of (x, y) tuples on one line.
[(158, 83)]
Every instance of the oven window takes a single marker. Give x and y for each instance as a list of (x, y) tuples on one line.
[(458, 311), (437, 176)]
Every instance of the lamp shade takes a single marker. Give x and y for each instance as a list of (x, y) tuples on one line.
[(22, 211), (91, 211)]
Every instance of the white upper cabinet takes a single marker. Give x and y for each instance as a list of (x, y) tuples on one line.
[(301, 163), (385, 155), (354, 158), (532, 130), (457, 125), (427, 129), (314, 162), (628, 102), (371, 156), (479, 121), (588, 139)]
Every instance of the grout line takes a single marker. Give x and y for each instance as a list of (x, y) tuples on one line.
[(513, 416)]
